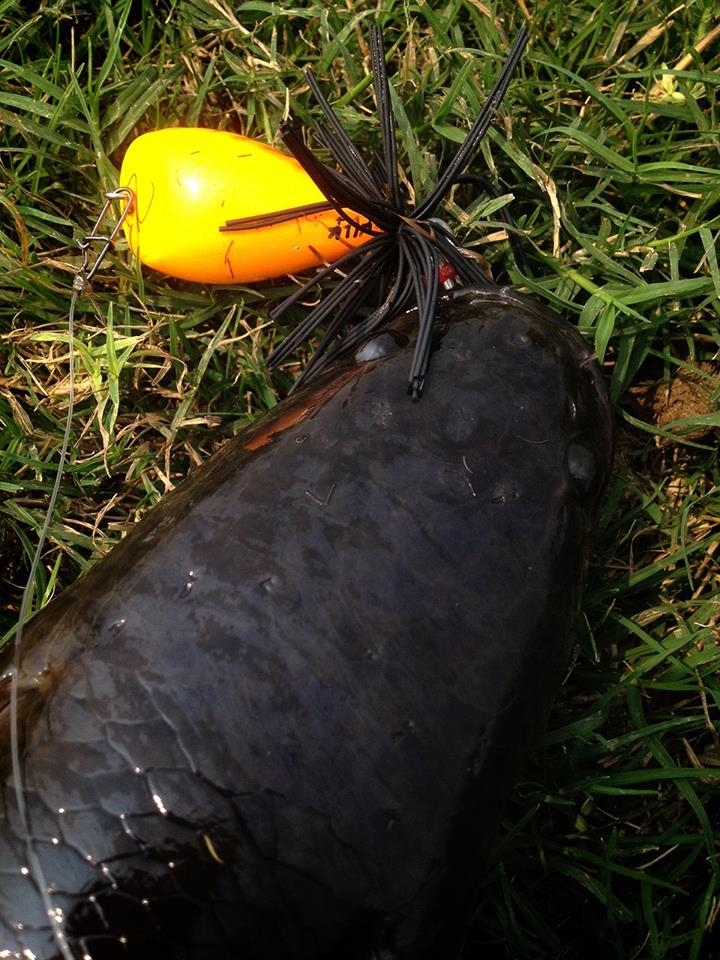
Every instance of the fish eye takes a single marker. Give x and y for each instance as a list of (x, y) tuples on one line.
[(383, 345)]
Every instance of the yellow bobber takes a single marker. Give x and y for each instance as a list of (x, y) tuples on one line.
[(189, 182)]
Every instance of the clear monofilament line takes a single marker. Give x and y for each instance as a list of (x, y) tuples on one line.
[(86, 272), (34, 864)]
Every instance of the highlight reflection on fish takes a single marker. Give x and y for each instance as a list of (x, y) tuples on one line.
[(278, 720)]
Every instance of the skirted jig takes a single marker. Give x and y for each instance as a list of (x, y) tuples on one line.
[(407, 244)]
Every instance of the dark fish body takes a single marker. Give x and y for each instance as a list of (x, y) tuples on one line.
[(278, 721)]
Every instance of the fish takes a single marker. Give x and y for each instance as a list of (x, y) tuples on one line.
[(279, 720)]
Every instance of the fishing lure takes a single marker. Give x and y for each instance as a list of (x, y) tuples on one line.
[(291, 214), (188, 181)]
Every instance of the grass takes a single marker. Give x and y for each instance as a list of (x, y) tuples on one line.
[(608, 147)]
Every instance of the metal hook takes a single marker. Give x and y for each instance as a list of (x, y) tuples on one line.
[(84, 274)]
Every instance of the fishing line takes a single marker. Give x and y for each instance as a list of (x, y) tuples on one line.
[(80, 282), (34, 865)]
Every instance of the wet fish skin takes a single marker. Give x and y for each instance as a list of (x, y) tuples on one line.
[(278, 720)]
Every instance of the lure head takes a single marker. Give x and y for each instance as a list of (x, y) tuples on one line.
[(189, 182)]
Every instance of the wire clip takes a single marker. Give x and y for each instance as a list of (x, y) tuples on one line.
[(86, 273)]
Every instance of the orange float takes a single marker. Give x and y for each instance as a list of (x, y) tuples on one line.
[(191, 185)]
